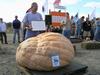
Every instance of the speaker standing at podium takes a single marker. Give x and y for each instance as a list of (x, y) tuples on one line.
[(33, 15)]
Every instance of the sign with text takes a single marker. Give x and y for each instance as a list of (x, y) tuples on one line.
[(38, 26), (55, 61)]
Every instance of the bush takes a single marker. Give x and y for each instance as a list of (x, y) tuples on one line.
[(9, 27), (90, 45)]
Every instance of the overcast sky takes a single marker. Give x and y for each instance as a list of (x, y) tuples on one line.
[(10, 8)]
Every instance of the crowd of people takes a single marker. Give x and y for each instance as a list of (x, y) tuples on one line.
[(25, 25), (81, 28), (85, 28), (16, 25)]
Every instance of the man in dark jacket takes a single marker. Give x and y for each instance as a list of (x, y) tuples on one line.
[(86, 28), (16, 29)]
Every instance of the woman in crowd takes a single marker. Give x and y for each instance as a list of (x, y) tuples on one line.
[(67, 27), (97, 32)]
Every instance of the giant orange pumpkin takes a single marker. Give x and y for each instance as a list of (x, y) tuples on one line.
[(35, 53)]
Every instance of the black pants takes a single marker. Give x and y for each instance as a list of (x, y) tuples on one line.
[(24, 33), (3, 34)]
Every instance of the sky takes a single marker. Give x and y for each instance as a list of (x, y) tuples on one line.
[(10, 8)]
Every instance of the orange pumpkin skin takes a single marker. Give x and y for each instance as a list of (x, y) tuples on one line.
[(35, 53)]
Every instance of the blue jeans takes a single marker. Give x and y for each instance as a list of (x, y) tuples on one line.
[(78, 32), (66, 33), (97, 34), (16, 32), (92, 33), (30, 33)]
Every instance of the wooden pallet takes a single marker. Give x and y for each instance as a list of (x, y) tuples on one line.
[(75, 40), (72, 69)]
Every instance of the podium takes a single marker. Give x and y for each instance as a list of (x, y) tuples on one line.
[(73, 69)]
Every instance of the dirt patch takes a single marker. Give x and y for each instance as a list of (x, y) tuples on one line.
[(8, 65)]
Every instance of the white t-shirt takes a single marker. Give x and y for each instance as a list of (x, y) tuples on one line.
[(3, 27)]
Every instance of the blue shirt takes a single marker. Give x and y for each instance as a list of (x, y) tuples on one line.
[(29, 17), (98, 24)]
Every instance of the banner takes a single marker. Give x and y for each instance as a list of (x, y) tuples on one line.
[(58, 18), (93, 14), (45, 7)]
